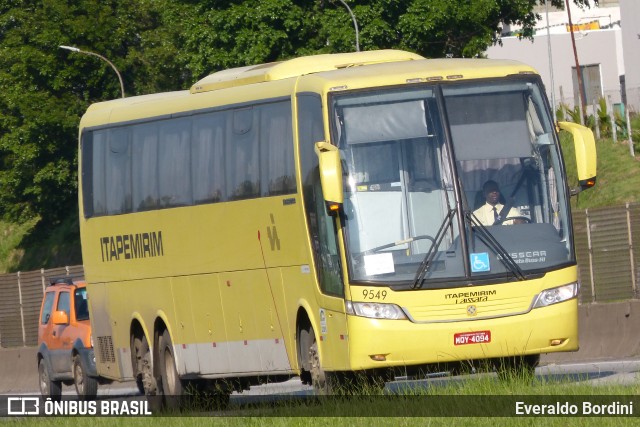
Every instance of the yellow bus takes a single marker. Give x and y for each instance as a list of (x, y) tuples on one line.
[(319, 217)]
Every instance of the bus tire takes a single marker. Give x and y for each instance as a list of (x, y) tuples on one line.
[(86, 386), (304, 346), (172, 389), (137, 355), (323, 382)]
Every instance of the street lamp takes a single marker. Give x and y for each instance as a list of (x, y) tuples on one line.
[(355, 24), (75, 49)]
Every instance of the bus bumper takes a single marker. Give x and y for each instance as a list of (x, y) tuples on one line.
[(375, 343)]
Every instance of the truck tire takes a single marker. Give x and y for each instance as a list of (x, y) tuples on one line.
[(48, 387), (86, 386)]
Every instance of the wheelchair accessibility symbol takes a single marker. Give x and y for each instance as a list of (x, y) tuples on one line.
[(480, 262)]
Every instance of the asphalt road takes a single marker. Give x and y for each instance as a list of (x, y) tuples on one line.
[(277, 399), (619, 372)]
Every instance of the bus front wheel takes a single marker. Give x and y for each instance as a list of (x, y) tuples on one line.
[(304, 347), (311, 371), (319, 378)]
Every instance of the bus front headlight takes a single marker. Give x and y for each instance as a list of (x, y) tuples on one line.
[(375, 310), (556, 295)]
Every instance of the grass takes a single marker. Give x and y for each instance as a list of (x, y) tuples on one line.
[(618, 175), (460, 398)]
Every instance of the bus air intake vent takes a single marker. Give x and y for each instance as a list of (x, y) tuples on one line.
[(105, 350)]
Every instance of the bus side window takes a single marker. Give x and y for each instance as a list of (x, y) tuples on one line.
[(321, 226)]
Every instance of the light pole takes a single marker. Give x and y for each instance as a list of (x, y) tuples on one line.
[(75, 49), (355, 24), (553, 86)]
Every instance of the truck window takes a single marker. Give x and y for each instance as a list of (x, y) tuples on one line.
[(64, 302), (47, 307)]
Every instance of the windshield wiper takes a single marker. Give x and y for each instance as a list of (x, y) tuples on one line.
[(431, 253), (398, 243), (492, 243)]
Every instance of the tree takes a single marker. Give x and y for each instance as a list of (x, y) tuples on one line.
[(44, 90), (161, 45)]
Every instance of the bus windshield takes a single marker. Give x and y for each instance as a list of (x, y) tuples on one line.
[(451, 183)]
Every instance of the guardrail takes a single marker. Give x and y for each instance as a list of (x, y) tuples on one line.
[(608, 269)]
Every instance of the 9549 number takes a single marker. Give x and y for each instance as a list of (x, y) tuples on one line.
[(374, 294)]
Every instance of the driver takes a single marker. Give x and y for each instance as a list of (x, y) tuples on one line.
[(491, 213)]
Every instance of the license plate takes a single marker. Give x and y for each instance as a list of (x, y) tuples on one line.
[(477, 337)]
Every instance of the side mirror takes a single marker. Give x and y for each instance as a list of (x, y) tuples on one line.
[(330, 174), (60, 318), (586, 159)]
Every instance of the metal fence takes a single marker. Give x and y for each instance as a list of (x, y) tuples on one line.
[(20, 299), (608, 269), (606, 257)]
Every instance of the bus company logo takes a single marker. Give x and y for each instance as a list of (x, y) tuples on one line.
[(272, 234), (472, 310), (470, 297), (131, 246)]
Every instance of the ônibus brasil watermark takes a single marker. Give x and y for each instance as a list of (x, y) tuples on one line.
[(36, 406)]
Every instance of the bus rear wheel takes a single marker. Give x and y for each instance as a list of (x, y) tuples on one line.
[(172, 389), (138, 350)]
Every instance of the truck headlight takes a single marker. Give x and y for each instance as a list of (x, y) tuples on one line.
[(375, 310), (556, 295)]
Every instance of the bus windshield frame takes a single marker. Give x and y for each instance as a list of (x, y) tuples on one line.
[(415, 162)]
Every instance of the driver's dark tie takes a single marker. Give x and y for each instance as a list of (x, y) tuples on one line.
[(496, 217)]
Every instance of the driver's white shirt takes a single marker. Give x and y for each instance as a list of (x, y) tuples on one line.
[(485, 214)]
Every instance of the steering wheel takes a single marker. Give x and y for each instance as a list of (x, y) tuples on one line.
[(526, 219), (400, 242)]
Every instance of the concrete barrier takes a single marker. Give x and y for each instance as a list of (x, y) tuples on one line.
[(18, 370), (607, 331)]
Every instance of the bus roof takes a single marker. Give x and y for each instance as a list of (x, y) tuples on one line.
[(297, 67), (358, 69)]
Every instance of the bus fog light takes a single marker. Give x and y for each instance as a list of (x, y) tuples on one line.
[(378, 357), (556, 295), (375, 310), (557, 341)]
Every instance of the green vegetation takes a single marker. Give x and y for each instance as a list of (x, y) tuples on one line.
[(618, 173), (459, 398), (165, 45)]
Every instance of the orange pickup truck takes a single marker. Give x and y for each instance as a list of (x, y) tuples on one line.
[(65, 349)]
